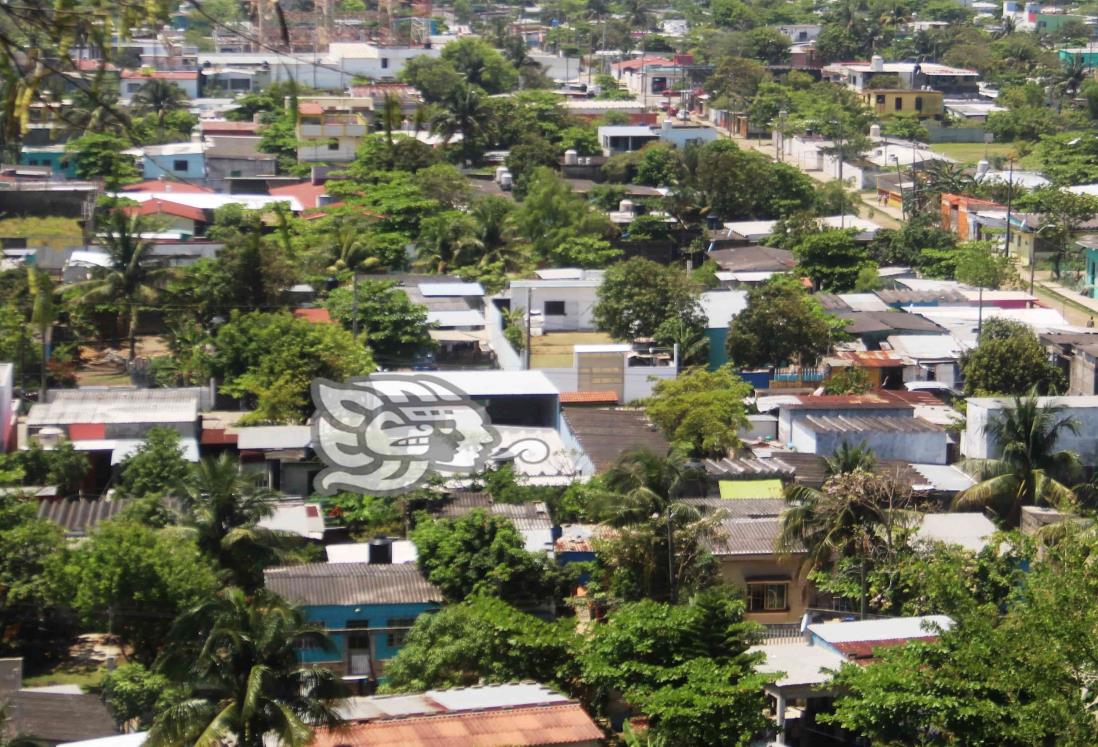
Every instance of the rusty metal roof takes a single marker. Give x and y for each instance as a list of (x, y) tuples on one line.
[(78, 516), (566, 724), (351, 583)]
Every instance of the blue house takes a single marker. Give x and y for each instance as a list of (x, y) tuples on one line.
[(53, 156), (186, 161), (366, 608), (720, 308)]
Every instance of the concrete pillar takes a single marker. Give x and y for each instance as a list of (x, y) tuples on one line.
[(779, 740)]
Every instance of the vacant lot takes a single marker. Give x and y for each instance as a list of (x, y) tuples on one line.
[(56, 233)]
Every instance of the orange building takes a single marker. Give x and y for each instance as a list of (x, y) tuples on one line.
[(956, 210)]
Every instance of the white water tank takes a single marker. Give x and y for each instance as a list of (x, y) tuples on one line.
[(625, 206), (874, 130), (982, 168), (506, 181), (571, 158), (876, 64), (500, 171)]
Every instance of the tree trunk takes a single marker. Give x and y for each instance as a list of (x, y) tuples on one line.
[(133, 332), (865, 591)]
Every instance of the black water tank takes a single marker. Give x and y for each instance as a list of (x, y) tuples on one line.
[(381, 551)]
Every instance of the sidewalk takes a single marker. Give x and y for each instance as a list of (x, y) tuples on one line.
[(1075, 307)]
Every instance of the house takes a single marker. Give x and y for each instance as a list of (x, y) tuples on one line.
[(912, 75), (653, 76), (749, 265), (874, 327), (805, 667), (603, 434), (49, 715), (720, 308), (169, 215), (614, 139), (235, 157), (774, 580), (977, 442), (957, 212), (134, 80), (800, 33), (54, 157), (366, 608), (110, 423), (754, 231), (565, 298), (174, 160), (208, 201), (530, 519), (330, 128), (796, 408), (523, 713), (928, 357), (883, 369), (897, 437), (885, 102)]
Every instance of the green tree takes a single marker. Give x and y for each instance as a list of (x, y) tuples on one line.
[(16, 344), (134, 695), (637, 295), (831, 259), (979, 263), (481, 65), (584, 251), (1030, 470), (396, 329), (551, 214), (158, 97), (906, 126), (781, 325), (480, 641), (101, 156), (1009, 360), (433, 77), (132, 580), (737, 184), (659, 165), (465, 114), (686, 667), (701, 410), (848, 380), (1062, 214), (156, 468), (273, 358), (481, 553), (245, 680), (224, 506), (131, 279)]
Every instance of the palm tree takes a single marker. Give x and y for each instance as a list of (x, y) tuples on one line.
[(159, 97), (350, 244), (1030, 472), (223, 505), (638, 14), (130, 279), (43, 316), (849, 458), (690, 337), (1069, 78), (1007, 28), (245, 681), (96, 110), (463, 113), (391, 116)]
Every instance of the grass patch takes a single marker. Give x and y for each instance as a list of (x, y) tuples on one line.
[(554, 350), (971, 153), (86, 676), (52, 232)]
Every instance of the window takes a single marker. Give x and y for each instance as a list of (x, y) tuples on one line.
[(918, 103), (880, 98), (180, 164), (554, 308), (899, 103), (384, 63), (234, 172), (768, 597), (396, 637), (333, 144)]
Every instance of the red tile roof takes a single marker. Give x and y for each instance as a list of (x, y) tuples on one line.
[(508, 727), (162, 74), (310, 107), (589, 398), (163, 207), (307, 193), (316, 316), (640, 62), (94, 65), (165, 185), (861, 650)]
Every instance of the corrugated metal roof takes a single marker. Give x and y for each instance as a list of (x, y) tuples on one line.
[(351, 583), (115, 405), (78, 516), (274, 437), (606, 434), (748, 536), (886, 629), (451, 289), (749, 508), (529, 726), (847, 424)]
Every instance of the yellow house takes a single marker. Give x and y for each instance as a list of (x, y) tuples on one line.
[(774, 584), (891, 101)]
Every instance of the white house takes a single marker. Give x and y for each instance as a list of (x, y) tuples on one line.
[(978, 443), (615, 139), (565, 298)]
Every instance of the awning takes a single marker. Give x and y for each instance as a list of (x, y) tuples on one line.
[(457, 335)]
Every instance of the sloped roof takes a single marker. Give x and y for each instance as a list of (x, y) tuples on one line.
[(59, 717), (166, 185), (509, 727), (606, 434), (77, 516), (306, 193), (351, 583), (166, 207), (745, 258), (748, 536)]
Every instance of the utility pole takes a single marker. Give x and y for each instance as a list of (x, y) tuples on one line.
[(842, 185), (354, 304), (1010, 204), (782, 114)]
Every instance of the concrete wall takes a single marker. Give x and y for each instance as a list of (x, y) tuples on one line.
[(579, 305), (317, 150), (760, 426), (506, 356), (1082, 374), (976, 443), (787, 416), (638, 382), (921, 447), (156, 167), (736, 569)]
